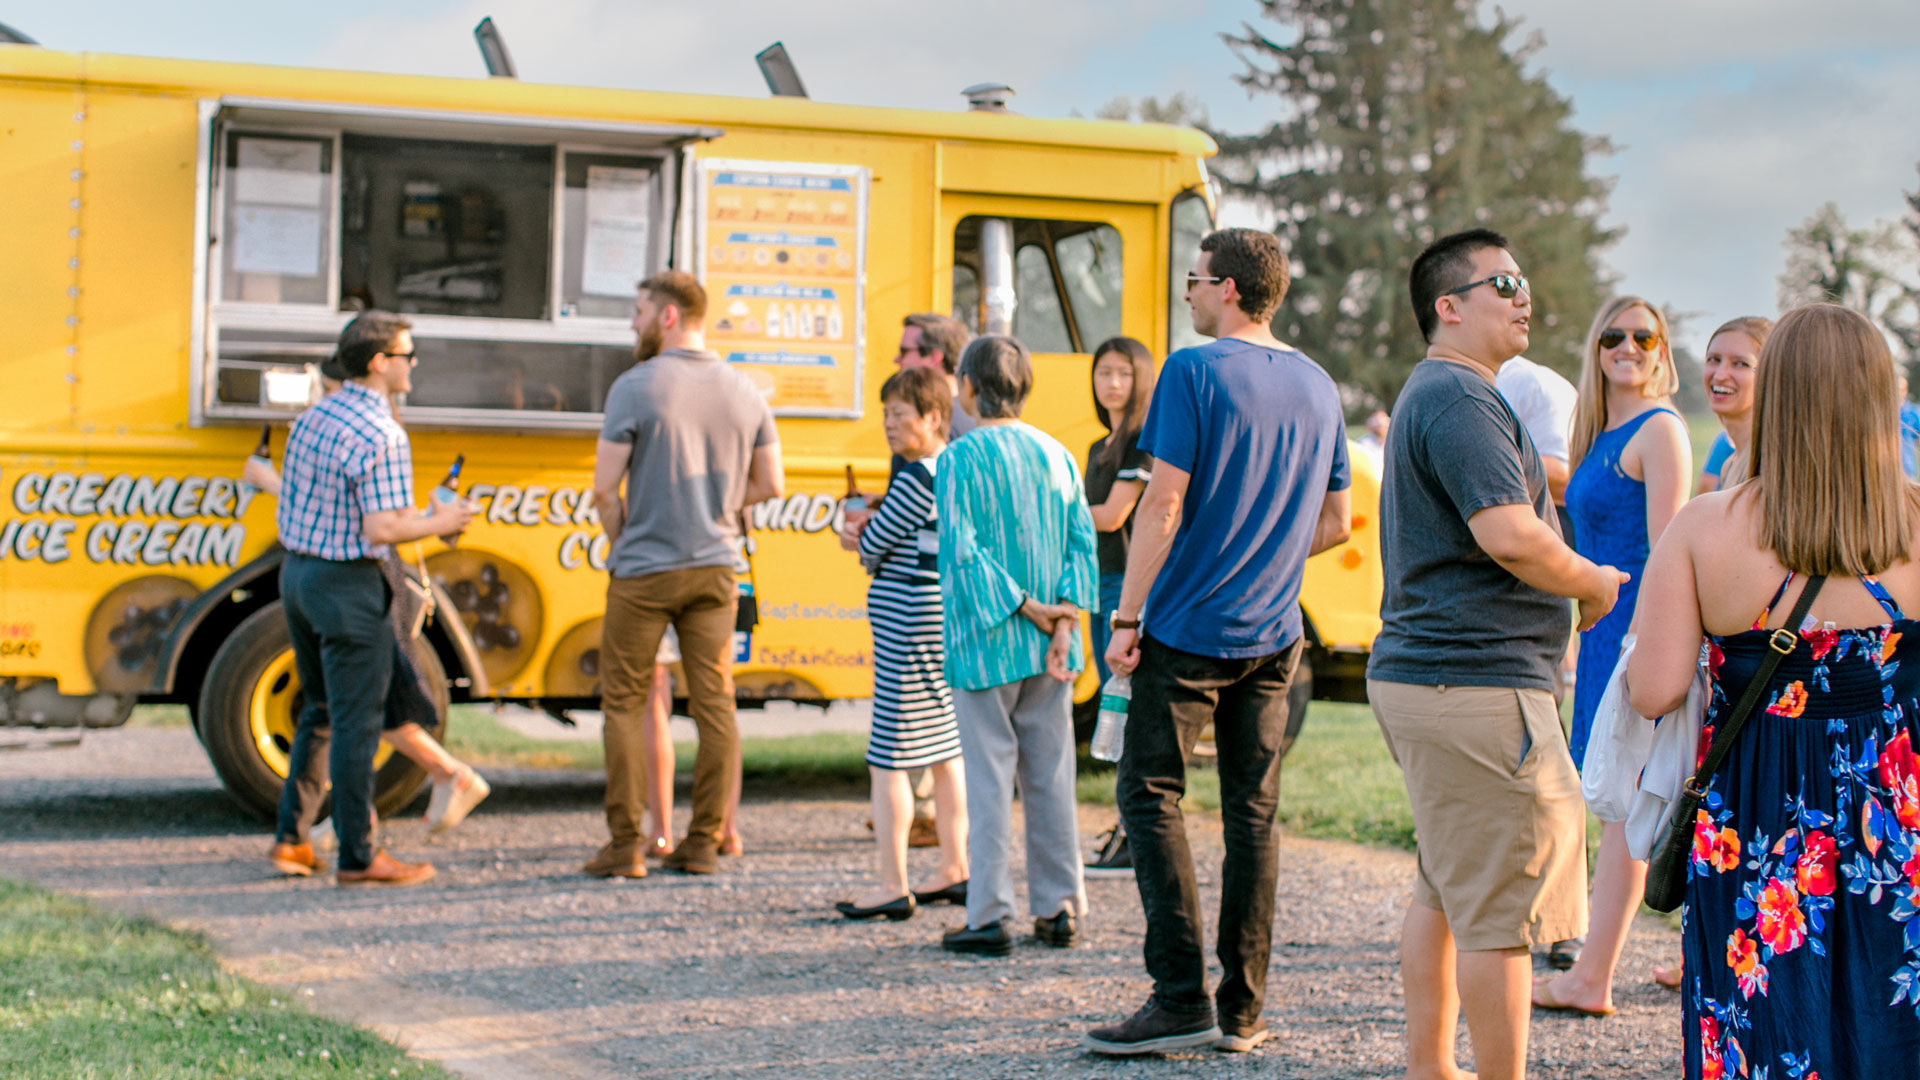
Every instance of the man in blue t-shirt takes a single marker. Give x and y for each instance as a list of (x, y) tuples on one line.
[(1249, 478)]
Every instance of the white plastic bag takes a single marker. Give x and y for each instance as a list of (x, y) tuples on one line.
[(1670, 764), (1617, 747)]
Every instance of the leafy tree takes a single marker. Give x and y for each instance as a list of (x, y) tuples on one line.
[(1401, 121), (1868, 270)]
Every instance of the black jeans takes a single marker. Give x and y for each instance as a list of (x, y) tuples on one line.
[(343, 647), (1175, 694)]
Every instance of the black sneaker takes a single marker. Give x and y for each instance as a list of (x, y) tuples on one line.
[(1564, 954), (1153, 1030), (1111, 859)]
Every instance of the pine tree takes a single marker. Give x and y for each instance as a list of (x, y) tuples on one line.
[(1402, 121), (1869, 270)]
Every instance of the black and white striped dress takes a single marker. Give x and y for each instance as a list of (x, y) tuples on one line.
[(913, 722)]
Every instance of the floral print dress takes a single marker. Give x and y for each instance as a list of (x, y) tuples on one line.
[(1801, 934)]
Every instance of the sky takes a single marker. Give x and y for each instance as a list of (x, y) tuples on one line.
[(1735, 119)]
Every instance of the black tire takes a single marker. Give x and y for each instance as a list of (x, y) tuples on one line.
[(261, 648), (1299, 697)]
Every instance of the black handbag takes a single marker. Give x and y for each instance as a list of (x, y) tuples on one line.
[(1667, 870), (746, 610)]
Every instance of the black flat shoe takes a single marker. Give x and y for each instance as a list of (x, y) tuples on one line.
[(955, 893), (1565, 954), (990, 940), (893, 910)]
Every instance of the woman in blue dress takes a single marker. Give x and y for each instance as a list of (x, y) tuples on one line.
[(1632, 468), (1802, 930)]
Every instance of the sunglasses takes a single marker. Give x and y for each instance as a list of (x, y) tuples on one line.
[(1647, 340), (1202, 279), (1506, 286)]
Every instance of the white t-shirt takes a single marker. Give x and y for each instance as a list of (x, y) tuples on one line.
[(1543, 400)]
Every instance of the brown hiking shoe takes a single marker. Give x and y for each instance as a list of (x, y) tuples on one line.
[(923, 833), (694, 855), (386, 870), (1153, 1030), (294, 860), (618, 860)]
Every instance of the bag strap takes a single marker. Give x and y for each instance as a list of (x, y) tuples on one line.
[(1780, 645), (746, 550)]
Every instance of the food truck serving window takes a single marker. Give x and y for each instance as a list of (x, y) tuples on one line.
[(512, 244)]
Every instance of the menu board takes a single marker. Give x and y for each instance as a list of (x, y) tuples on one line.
[(782, 251)]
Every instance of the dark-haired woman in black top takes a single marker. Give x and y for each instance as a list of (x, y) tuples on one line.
[(1117, 472)]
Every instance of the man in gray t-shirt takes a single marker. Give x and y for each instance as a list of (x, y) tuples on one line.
[(694, 442), (1461, 677)]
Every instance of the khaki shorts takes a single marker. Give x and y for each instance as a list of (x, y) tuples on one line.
[(1497, 811)]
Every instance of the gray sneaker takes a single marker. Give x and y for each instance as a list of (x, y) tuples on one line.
[(1239, 1040), (1153, 1030)]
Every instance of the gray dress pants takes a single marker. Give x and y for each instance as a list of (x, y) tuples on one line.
[(1022, 729)]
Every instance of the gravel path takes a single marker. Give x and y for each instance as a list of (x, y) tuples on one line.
[(511, 964)]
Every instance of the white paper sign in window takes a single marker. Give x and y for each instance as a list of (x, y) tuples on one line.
[(276, 240), (278, 172), (619, 220)]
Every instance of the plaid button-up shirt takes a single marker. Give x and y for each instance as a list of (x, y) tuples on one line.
[(346, 457)]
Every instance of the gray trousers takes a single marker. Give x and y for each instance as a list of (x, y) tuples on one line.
[(1023, 728)]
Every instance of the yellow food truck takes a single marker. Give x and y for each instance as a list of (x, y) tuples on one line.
[(185, 240)]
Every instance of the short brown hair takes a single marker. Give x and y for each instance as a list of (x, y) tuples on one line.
[(940, 332), (681, 289), (1257, 265), (923, 388), (367, 336), (1833, 498)]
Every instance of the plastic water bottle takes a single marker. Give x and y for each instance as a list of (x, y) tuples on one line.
[(1110, 733)]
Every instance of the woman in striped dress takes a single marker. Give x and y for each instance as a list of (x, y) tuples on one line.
[(913, 724)]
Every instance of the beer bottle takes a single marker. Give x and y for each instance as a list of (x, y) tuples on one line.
[(447, 491), (854, 500), (265, 450)]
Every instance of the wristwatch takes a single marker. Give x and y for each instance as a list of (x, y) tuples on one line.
[(1115, 622)]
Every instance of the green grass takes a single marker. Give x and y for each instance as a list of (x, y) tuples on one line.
[(1702, 429), (830, 757), (1338, 782), (87, 994)]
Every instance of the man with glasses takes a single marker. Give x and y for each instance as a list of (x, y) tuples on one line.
[(1461, 676), (346, 494), (1249, 478), (935, 341)]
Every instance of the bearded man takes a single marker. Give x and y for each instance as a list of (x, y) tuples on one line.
[(694, 442)]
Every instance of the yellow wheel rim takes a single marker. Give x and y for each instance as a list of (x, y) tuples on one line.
[(273, 713)]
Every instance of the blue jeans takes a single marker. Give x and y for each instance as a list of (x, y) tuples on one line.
[(343, 647), (1109, 601)]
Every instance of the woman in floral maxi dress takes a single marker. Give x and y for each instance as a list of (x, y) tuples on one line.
[(1802, 930)]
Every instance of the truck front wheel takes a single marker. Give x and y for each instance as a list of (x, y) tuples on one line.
[(251, 699)]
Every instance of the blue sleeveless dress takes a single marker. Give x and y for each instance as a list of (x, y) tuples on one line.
[(1802, 928), (1609, 511)]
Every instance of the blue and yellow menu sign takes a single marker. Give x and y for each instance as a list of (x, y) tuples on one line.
[(782, 251)]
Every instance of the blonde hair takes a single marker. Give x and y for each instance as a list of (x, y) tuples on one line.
[(1825, 460), (1756, 327), (1590, 412)]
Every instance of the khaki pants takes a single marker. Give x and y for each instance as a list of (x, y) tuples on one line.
[(699, 604)]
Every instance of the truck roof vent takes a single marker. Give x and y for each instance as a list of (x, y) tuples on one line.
[(10, 36), (987, 97), (493, 50)]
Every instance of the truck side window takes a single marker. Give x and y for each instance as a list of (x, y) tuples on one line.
[(1190, 222), (1067, 282)]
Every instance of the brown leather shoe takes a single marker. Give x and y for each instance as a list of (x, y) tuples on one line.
[(923, 833), (294, 860), (386, 870), (694, 855), (618, 860)]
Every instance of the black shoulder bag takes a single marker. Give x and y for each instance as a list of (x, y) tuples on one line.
[(1667, 871), (746, 611)]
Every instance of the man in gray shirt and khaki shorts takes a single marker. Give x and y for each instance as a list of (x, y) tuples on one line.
[(1474, 622), (694, 442)]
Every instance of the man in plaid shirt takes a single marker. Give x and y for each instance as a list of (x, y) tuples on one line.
[(346, 493)]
